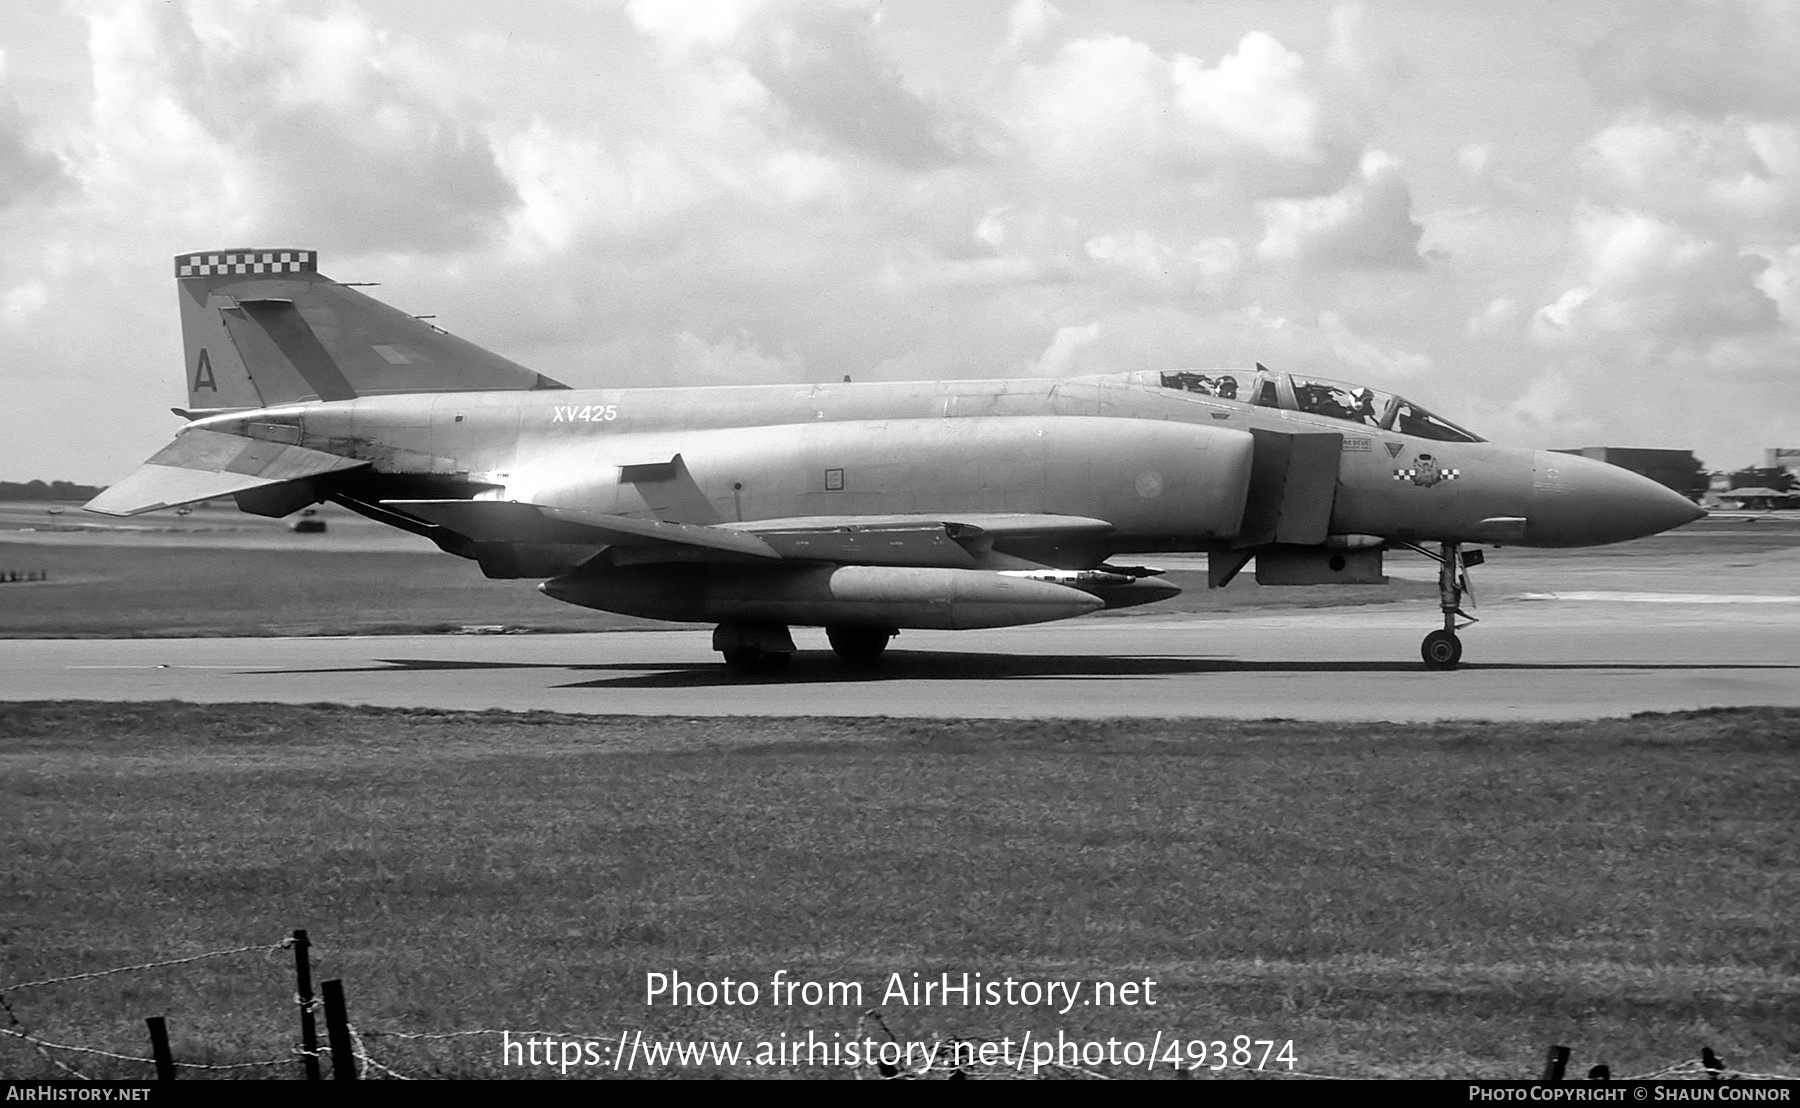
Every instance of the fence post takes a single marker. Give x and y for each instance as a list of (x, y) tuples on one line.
[(309, 1029), (159, 1047), (337, 1028), (1555, 1062)]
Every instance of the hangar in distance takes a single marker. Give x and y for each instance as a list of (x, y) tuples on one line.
[(861, 508)]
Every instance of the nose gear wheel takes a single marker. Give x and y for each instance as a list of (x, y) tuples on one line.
[(1442, 649)]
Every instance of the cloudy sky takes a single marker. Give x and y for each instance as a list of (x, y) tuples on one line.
[(1561, 224)]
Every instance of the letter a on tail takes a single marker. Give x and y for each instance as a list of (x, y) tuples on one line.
[(203, 374)]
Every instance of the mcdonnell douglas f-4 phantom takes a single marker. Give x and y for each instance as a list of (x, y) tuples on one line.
[(862, 508)]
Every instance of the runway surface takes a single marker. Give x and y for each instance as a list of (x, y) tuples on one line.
[(1549, 657)]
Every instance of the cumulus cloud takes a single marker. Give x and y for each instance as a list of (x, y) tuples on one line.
[(1378, 362), (1206, 267), (25, 167), (1111, 115), (1678, 256), (682, 25), (19, 304), (1473, 157), (710, 191), (324, 123), (1368, 223), (1645, 278), (1059, 357), (1498, 315), (1780, 282), (1027, 21), (735, 359), (1735, 176), (1556, 403), (1709, 57), (820, 63)]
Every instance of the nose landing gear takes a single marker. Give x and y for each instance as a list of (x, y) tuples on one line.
[(1442, 649)]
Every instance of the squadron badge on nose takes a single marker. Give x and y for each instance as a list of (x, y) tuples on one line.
[(1426, 472)]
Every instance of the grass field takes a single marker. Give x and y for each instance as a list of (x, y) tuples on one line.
[(1399, 901)]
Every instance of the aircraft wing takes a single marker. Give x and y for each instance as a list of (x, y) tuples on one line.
[(510, 521), (948, 539), (204, 465), (922, 540), (1010, 524)]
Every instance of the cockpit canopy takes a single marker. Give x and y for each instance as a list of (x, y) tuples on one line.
[(1321, 397)]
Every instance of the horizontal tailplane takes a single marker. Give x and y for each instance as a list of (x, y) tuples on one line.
[(207, 465)]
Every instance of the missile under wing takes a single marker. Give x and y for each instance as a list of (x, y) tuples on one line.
[(863, 508)]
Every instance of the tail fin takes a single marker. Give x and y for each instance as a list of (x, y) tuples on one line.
[(265, 327)]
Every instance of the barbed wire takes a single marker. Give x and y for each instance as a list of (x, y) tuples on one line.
[(366, 1062), (1302, 1074), (949, 1057), (42, 1044), (1691, 1068), (941, 1060), (19, 985), (12, 1017), (379, 1033)]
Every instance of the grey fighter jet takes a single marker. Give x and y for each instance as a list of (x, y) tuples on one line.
[(863, 508)]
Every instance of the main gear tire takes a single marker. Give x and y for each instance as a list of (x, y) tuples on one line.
[(858, 645)]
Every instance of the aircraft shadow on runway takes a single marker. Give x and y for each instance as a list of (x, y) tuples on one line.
[(824, 668)]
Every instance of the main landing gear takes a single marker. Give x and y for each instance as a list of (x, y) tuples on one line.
[(754, 648), (1442, 649), (766, 648), (859, 645)]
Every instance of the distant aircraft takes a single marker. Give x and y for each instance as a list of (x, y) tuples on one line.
[(864, 508)]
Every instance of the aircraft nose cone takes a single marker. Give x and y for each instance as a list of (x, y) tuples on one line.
[(1578, 501)]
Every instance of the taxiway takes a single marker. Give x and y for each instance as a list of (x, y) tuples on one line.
[(1548, 657)]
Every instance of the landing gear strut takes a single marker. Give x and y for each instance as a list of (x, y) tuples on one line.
[(1442, 649)]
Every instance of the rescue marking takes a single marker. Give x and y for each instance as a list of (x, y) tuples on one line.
[(1353, 446), (584, 413), (1394, 448)]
